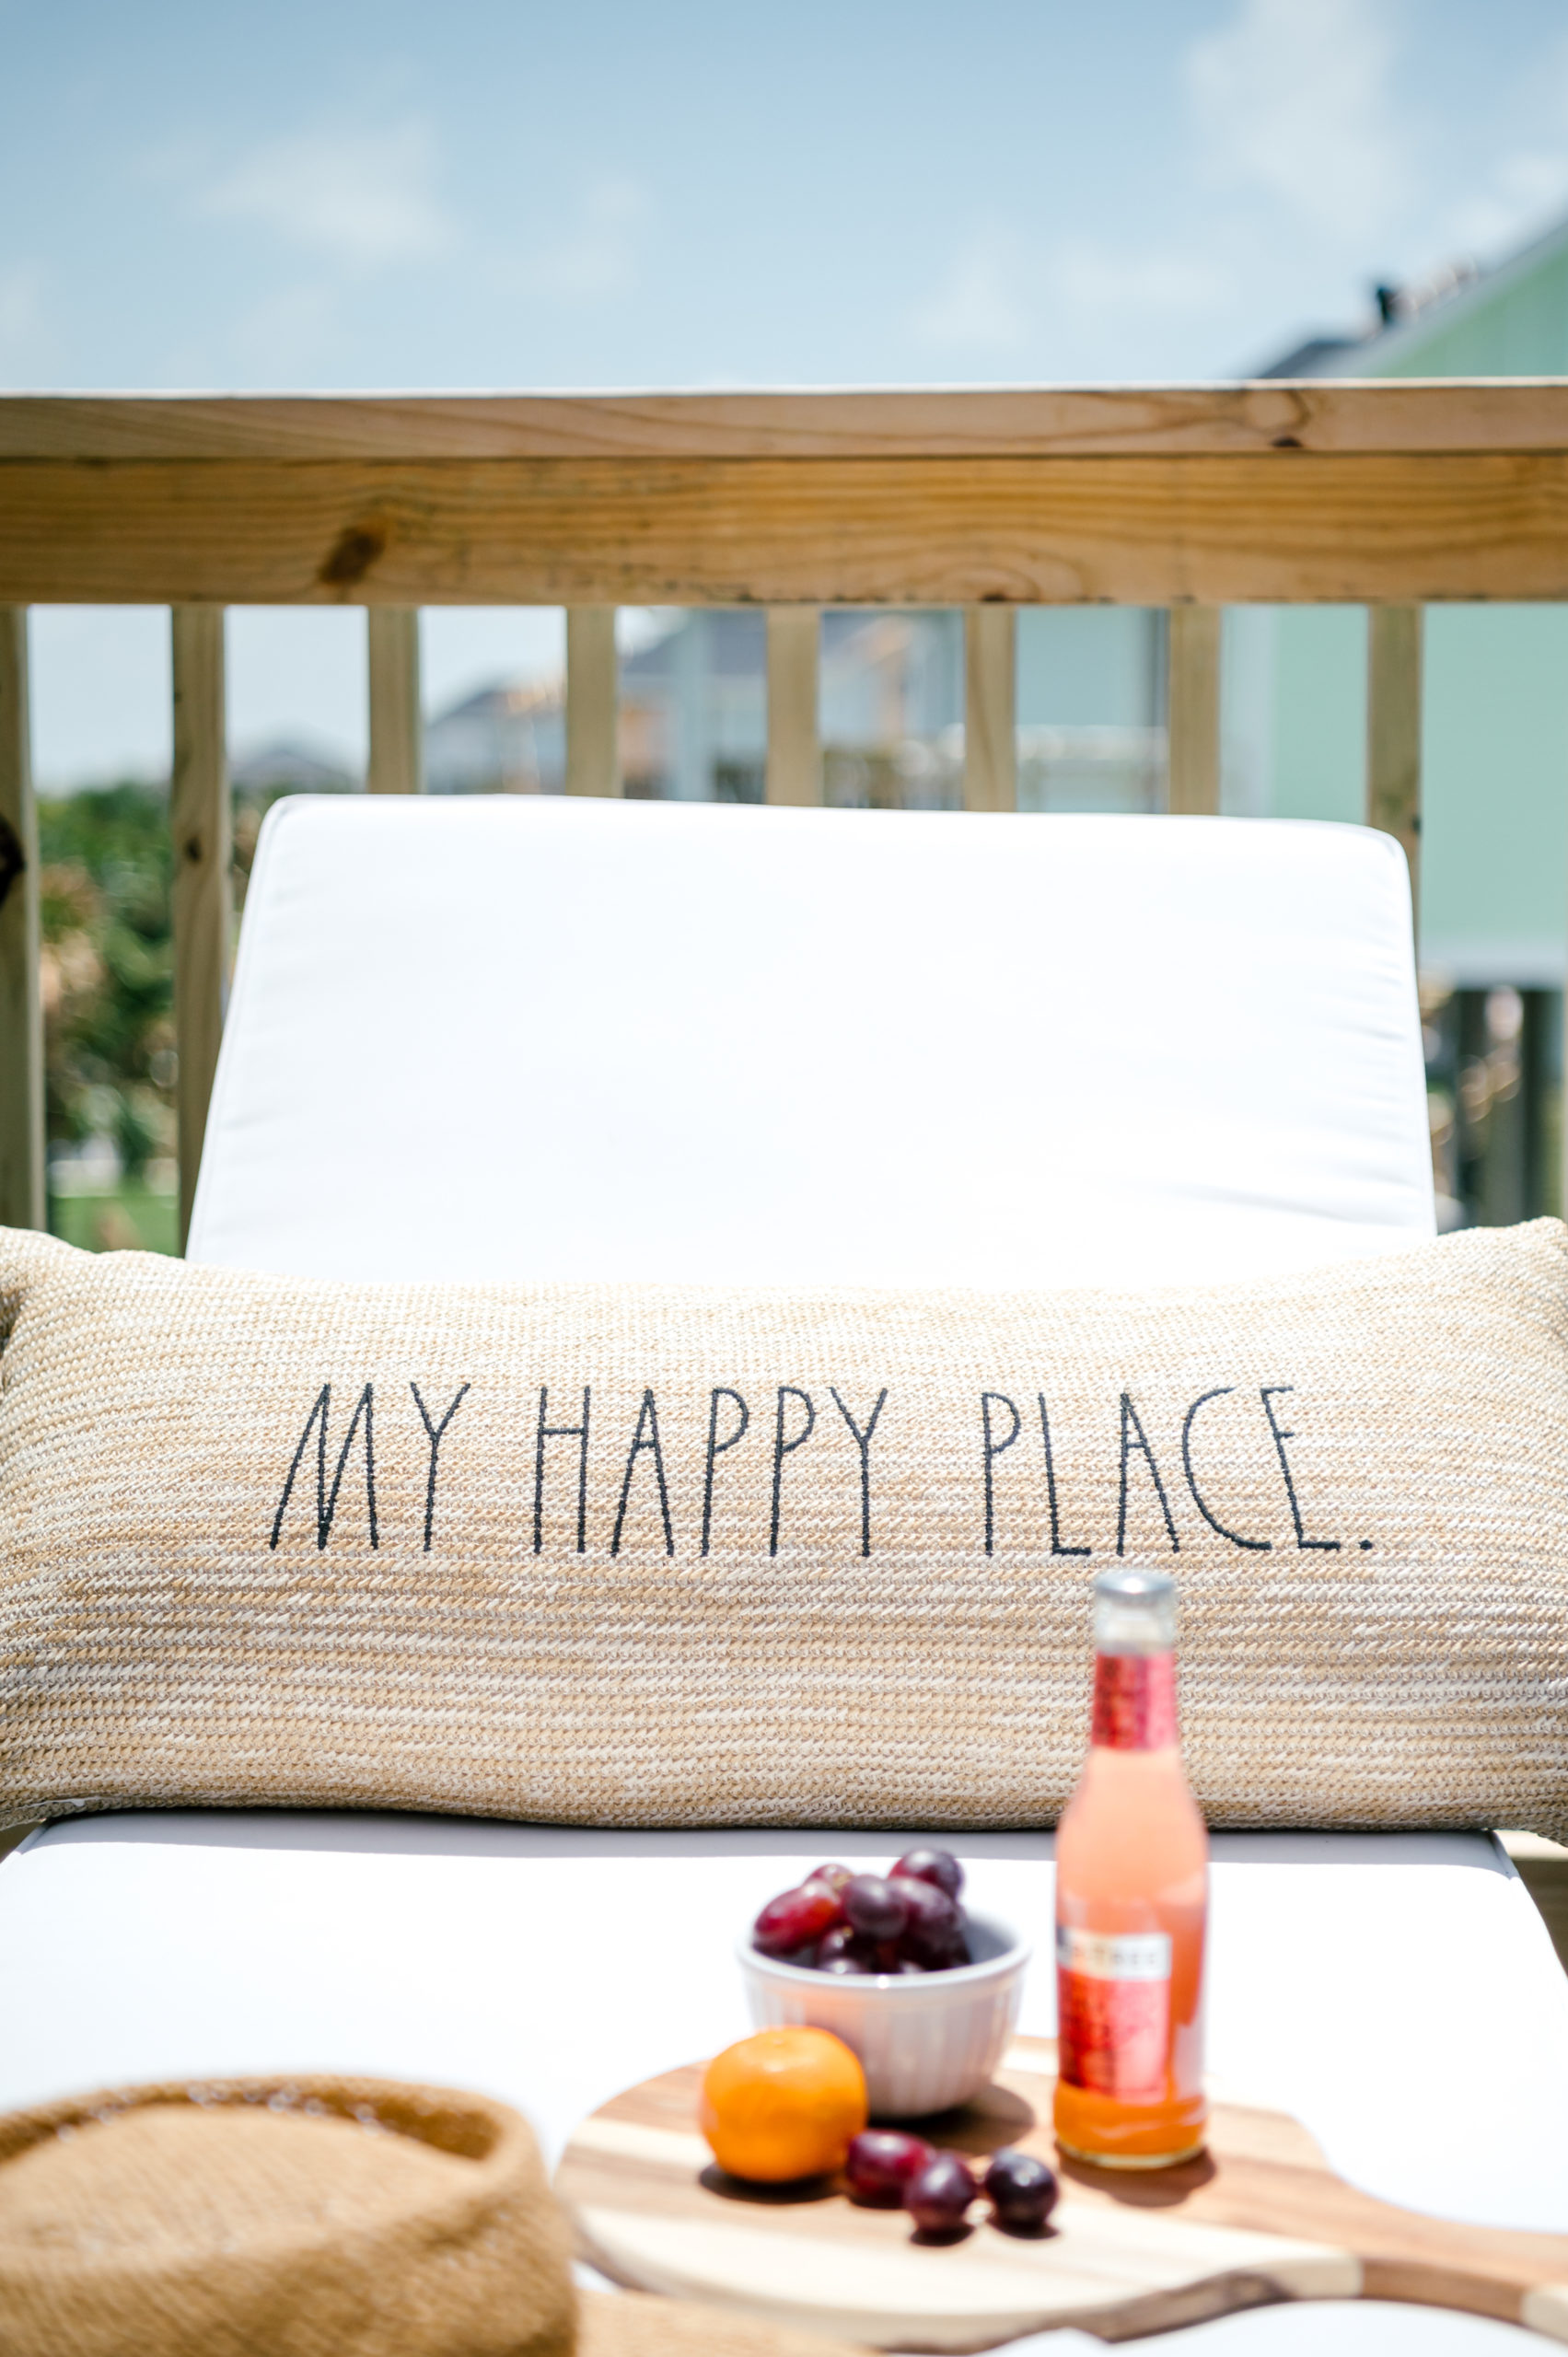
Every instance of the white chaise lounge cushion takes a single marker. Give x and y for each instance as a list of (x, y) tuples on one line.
[(515, 1037)]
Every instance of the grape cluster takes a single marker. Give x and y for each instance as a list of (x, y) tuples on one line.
[(906, 1921), (886, 2168)]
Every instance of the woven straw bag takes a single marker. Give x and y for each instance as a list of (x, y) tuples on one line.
[(649, 1555), (319, 2217), (311, 2217)]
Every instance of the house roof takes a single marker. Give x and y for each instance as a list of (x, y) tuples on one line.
[(1457, 297)]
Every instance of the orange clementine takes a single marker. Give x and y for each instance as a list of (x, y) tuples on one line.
[(783, 2103)]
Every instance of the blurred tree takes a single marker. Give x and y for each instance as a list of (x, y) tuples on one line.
[(108, 970), (108, 965)]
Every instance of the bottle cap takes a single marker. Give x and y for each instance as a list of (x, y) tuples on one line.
[(1134, 1612)]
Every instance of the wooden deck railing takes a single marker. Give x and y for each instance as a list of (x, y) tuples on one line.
[(1390, 495)]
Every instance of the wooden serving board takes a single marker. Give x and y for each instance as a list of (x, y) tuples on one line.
[(1259, 2217)]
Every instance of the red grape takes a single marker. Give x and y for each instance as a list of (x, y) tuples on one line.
[(794, 1918), (1023, 2190), (819, 1887), (934, 1925), (841, 1950), (938, 2197), (940, 1866), (875, 1907), (881, 2163), (908, 1920)]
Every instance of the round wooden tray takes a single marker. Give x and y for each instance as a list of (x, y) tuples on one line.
[(1259, 2217)]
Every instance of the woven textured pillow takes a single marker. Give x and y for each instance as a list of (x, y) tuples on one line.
[(641, 1555)]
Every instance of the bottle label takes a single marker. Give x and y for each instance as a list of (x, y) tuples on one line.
[(1134, 1702), (1113, 2010)]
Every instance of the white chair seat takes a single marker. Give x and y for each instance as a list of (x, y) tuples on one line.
[(1398, 1992)]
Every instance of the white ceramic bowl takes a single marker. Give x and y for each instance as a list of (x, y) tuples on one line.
[(926, 2042)]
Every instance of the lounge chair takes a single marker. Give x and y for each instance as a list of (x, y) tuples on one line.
[(522, 1037)]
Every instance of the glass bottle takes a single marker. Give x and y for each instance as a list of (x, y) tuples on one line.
[(1131, 1902)]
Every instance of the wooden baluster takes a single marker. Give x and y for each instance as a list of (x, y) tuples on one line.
[(1393, 731), (203, 892), (1192, 710), (23, 1202), (396, 724), (593, 700), (991, 702), (794, 749)]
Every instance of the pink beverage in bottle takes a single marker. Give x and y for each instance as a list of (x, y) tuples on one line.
[(1131, 1902)]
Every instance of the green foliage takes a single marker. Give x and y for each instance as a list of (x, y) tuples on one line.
[(106, 861), (130, 1219)]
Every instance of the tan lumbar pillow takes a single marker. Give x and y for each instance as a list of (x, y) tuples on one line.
[(642, 1555)]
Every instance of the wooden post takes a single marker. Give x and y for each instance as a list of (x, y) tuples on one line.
[(593, 700), (396, 724), (1393, 732), (990, 699), (1192, 710), (795, 750), (22, 1197), (203, 898)]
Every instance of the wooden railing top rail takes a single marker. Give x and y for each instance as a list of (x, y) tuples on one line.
[(1338, 415), (1388, 492)]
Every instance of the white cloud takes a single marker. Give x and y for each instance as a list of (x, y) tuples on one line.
[(1295, 99), (288, 337), (978, 304), (994, 297), (1526, 191), (1090, 277), (359, 197), (597, 254)]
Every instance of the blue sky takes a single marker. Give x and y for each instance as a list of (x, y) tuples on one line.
[(605, 194)]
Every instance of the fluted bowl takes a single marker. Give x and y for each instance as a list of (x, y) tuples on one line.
[(925, 2041)]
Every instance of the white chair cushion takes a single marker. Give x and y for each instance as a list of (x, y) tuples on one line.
[(540, 1038), (461, 1950)]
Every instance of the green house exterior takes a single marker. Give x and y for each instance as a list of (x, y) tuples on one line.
[(1494, 811)]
